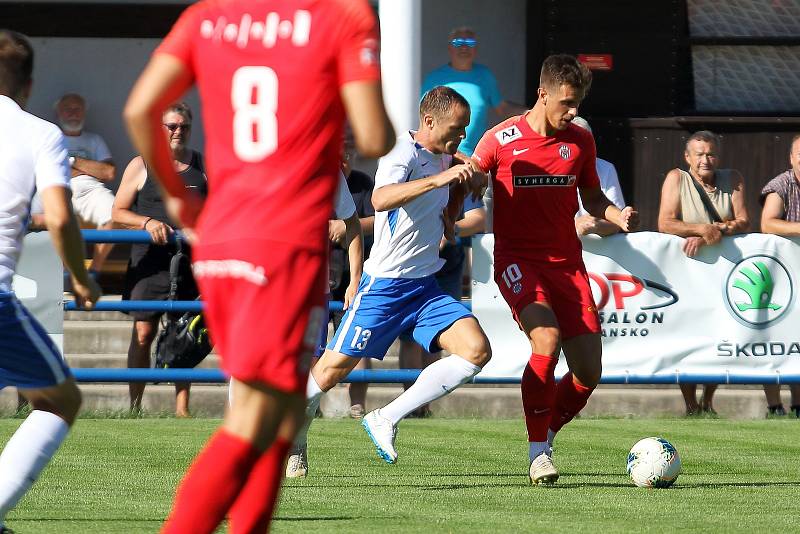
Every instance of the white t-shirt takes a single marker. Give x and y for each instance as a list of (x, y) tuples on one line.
[(407, 238), (87, 145), (609, 183), (32, 157)]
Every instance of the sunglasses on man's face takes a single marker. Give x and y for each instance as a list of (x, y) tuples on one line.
[(172, 126), (463, 41)]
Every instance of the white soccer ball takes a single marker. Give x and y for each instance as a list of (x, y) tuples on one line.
[(654, 463)]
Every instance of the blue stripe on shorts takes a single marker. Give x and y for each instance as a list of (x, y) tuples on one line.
[(28, 357)]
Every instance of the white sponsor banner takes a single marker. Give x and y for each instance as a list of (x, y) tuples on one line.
[(731, 309)]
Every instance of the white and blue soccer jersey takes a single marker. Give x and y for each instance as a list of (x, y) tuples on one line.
[(32, 157), (407, 238), (398, 293)]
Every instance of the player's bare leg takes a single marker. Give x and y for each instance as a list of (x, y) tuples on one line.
[(254, 438), (469, 352), (538, 387), (36, 440), (142, 336), (331, 368)]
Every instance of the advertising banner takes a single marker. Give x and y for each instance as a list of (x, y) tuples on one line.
[(731, 309)]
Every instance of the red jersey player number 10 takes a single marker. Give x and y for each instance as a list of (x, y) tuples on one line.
[(255, 122)]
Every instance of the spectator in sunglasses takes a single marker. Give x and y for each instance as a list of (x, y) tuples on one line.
[(473, 81)]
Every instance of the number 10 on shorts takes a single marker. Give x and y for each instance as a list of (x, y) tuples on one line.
[(511, 275)]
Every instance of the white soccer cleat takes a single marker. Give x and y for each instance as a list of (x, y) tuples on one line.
[(542, 470), (382, 433), (297, 466)]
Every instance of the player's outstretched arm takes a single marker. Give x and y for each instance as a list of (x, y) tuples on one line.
[(372, 129), (66, 235), (391, 196)]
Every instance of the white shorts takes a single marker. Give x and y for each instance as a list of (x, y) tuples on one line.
[(91, 200)]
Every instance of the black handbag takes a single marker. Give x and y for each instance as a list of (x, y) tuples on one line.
[(182, 343)]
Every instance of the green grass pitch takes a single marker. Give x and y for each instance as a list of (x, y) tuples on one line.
[(453, 475)]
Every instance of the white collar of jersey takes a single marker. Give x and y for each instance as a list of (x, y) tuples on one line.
[(8, 101)]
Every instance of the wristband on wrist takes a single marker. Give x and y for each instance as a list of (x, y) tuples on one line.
[(144, 224)]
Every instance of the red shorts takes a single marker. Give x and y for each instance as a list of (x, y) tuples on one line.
[(264, 306), (565, 288)]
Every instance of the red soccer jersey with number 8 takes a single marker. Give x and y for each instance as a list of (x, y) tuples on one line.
[(269, 74)]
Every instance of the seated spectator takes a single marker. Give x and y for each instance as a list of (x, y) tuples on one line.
[(139, 205), (360, 185), (701, 205), (92, 167), (780, 215), (609, 184)]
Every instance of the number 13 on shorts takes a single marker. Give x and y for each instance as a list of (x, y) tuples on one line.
[(360, 338)]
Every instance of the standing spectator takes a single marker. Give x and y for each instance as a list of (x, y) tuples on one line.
[(92, 167), (139, 205), (609, 184), (702, 204), (32, 156), (360, 185), (781, 216), (261, 242), (473, 81)]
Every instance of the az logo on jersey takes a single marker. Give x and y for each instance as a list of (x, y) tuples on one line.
[(564, 151), (508, 135)]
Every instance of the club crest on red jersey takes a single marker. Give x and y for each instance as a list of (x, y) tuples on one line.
[(564, 151)]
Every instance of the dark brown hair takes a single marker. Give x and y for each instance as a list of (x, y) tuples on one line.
[(563, 69), (16, 62)]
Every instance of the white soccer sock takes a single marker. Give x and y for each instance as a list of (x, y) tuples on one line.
[(535, 448), (313, 397), (435, 381), (26, 454)]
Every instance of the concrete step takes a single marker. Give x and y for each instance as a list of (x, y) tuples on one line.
[(104, 361), (468, 401), (96, 337), (95, 316)]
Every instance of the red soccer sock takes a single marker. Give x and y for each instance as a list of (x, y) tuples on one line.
[(570, 399), (252, 511), (211, 485), (538, 390)]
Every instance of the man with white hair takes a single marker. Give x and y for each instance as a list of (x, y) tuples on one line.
[(92, 167)]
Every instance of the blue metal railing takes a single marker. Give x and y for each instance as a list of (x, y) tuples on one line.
[(394, 376), (382, 376)]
